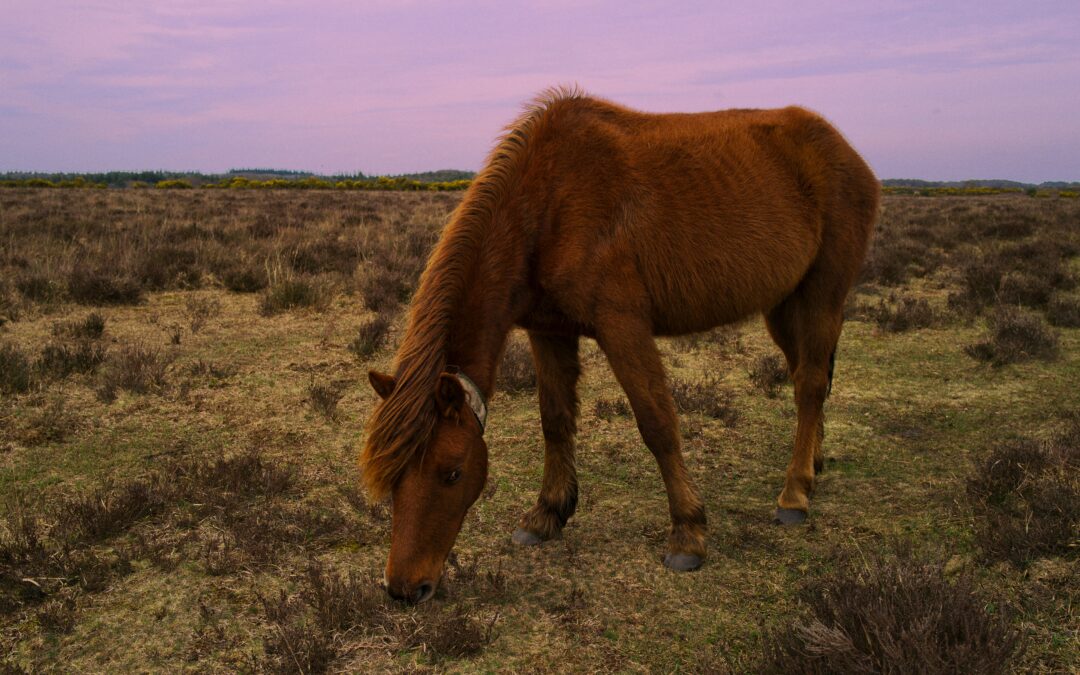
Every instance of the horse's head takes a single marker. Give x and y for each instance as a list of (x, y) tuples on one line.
[(440, 483)]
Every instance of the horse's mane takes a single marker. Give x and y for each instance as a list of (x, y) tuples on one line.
[(403, 423)]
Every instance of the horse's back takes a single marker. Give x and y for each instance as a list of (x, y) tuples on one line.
[(699, 218)]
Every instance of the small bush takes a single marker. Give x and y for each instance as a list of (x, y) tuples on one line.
[(1063, 312), (243, 277), (135, 368), (40, 288), (1021, 288), (52, 424), (92, 327), (891, 616), (324, 398), (1015, 335), (199, 310), (168, 266), (291, 293), (16, 372), (768, 373), (906, 314), (99, 286), (709, 397), (606, 409), (61, 359), (1026, 498), (517, 373), (369, 337)]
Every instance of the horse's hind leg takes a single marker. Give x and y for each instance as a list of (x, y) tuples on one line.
[(557, 371), (628, 343), (806, 326)]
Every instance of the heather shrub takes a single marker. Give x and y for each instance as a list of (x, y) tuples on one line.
[(709, 397), (1026, 498), (136, 368), (61, 359), (1063, 311), (92, 327), (891, 615), (768, 373), (90, 285), (517, 373), (16, 371), (369, 337), (1015, 335), (295, 292), (904, 314)]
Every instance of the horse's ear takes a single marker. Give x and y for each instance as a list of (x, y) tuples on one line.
[(382, 384), (449, 396)]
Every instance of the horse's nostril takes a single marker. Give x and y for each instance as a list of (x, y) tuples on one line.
[(423, 592)]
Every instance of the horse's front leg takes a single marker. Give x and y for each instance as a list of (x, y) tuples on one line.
[(628, 343), (557, 371)]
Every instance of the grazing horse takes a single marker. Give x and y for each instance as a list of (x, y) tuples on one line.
[(591, 219)]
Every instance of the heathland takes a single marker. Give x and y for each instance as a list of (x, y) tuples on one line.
[(183, 395)]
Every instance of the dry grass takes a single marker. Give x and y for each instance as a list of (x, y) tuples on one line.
[(216, 525)]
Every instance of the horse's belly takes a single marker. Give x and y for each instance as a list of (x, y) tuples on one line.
[(726, 279)]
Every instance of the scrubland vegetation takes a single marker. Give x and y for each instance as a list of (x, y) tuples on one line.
[(182, 399)]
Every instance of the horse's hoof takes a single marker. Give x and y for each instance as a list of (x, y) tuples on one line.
[(526, 538), (789, 517), (682, 562)]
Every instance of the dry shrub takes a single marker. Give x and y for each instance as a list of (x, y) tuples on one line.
[(606, 409), (200, 309), (93, 285), (168, 266), (290, 292), (517, 373), (709, 397), (109, 509), (1063, 311), (61, 359), (324, 397), (16, 370), (136, 368), (370, 337), (1023, 288), (243, 276), (47, 546), (40, 287), (52, 424), (893, 258), (904, 314), (768, 373), (1026, 498), (896, 615), (91, 327), (1015, 335), (314, 626)]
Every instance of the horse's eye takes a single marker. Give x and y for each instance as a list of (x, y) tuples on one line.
[(453, 477)]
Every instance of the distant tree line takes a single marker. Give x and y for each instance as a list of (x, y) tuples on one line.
[(447, 179)]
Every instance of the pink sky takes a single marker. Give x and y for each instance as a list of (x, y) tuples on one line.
[(936, 90)]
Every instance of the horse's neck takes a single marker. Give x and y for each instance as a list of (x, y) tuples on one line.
[(487, 313)]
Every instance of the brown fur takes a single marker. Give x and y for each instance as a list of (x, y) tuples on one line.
[(594, 220)]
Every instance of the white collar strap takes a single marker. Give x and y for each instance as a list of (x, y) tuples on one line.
[(473, 396)]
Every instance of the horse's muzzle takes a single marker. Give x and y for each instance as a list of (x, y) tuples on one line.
[(411, 593)]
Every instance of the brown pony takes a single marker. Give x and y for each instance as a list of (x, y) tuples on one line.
[(594, 220)]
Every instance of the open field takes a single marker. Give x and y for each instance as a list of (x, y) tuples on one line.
[(182, 399)]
